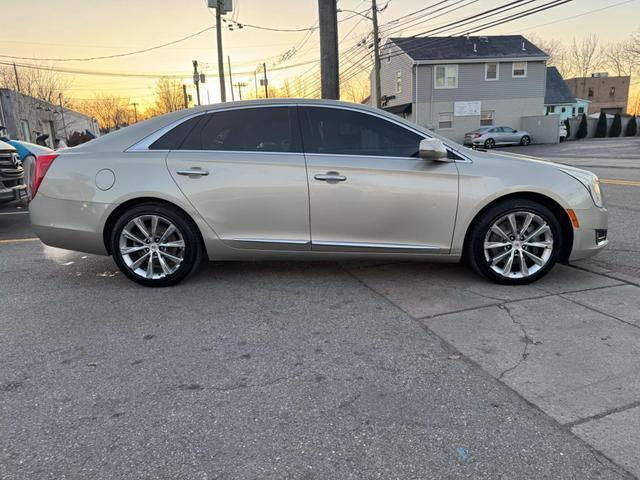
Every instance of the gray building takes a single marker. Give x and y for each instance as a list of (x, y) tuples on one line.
[(26, 117), (454, 85)]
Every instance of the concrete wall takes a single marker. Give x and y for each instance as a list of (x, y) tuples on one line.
[(543, 128)]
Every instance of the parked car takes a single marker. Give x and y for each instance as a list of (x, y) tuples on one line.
[(28, 153), (12, 185), (309, 179), (489, 137)]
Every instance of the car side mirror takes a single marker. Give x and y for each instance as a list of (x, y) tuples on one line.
[(432, 149), (515, 131)]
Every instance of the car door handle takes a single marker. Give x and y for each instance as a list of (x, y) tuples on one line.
[(331, 177), (193, 171)]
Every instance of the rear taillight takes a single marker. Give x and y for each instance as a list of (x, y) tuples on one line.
[(477, 135), (43, 162)]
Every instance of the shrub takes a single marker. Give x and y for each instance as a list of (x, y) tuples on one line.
[(632, 127), (567, 124), (582, 128), (616, 126), (601, 128)]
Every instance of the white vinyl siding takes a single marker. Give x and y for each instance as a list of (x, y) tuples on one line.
[(446, 76), (445, 120), (519, 70), (491, 72), (486, 118)]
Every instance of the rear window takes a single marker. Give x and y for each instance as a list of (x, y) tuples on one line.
[(173, 139)]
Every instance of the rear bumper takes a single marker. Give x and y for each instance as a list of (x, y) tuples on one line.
[(585, 241), (69, 224)]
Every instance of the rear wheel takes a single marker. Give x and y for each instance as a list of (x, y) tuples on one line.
[(155, 245), (526, 140), (515, 242), (489, 143)]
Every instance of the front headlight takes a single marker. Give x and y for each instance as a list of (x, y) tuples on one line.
[(590, 182)]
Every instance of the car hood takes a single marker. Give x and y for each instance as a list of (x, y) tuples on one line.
[(513, 161)]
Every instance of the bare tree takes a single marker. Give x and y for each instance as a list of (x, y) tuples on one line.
[(621, 57), (556, 51), (584, 56), (355, 89), (38, 82), (168, 96), (111, 112)]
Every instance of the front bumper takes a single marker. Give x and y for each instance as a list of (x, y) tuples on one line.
[(19, 192), (587, 240)]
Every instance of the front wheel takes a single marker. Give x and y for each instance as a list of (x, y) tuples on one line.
[(155, 245), (526, 140), (515, 242)]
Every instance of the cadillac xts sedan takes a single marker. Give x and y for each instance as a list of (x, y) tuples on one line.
[(309, 179)]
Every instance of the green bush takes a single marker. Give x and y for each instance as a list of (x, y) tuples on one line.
[(567, 124), (601, 128), (616, 126), (583, 128), (632, 127)]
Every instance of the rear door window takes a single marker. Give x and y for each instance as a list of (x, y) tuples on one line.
[(173, 139), (264, 129)]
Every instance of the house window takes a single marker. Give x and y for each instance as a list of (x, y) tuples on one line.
[(398, 82), (486, 118), (573, 111), (26, 133), (445, 120), (490, 71), (564, 109), (551, 109), (519, 69), (591, 92), (612, 91), (580, 110), (446, 76)]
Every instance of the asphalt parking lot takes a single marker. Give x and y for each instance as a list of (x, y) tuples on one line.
[(323, 370)]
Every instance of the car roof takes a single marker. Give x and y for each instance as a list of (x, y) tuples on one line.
[(121, 140)]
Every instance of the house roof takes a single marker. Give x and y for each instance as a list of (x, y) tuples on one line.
[(557, 91), (462, 48)]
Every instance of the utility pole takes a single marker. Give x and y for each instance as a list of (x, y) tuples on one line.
[(223, 93), (15, 70), (186, 97), (135, 111), (240, 85), (266, 81), (376, 50), (196, 79), (329, 73), (64, 124), (255, 79), (230, 78)]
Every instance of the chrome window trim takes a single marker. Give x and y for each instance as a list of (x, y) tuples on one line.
[(144, 144)]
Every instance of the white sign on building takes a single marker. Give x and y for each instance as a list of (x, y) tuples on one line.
[(466, 109)]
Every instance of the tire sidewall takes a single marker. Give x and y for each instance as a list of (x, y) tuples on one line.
[(481, 227), (192, 252)]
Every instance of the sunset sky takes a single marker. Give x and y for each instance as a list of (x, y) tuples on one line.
[(77, 28)]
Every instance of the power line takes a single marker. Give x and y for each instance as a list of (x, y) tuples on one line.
[(116, 55)]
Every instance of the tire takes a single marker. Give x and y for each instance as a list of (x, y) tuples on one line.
[(182, 242), (539, 254), (489, 143), (526, 140)]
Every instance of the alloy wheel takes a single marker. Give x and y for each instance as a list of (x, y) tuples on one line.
[(151, 246), (518, 244)]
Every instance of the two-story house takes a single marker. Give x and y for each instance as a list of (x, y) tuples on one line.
[(454, 85)]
